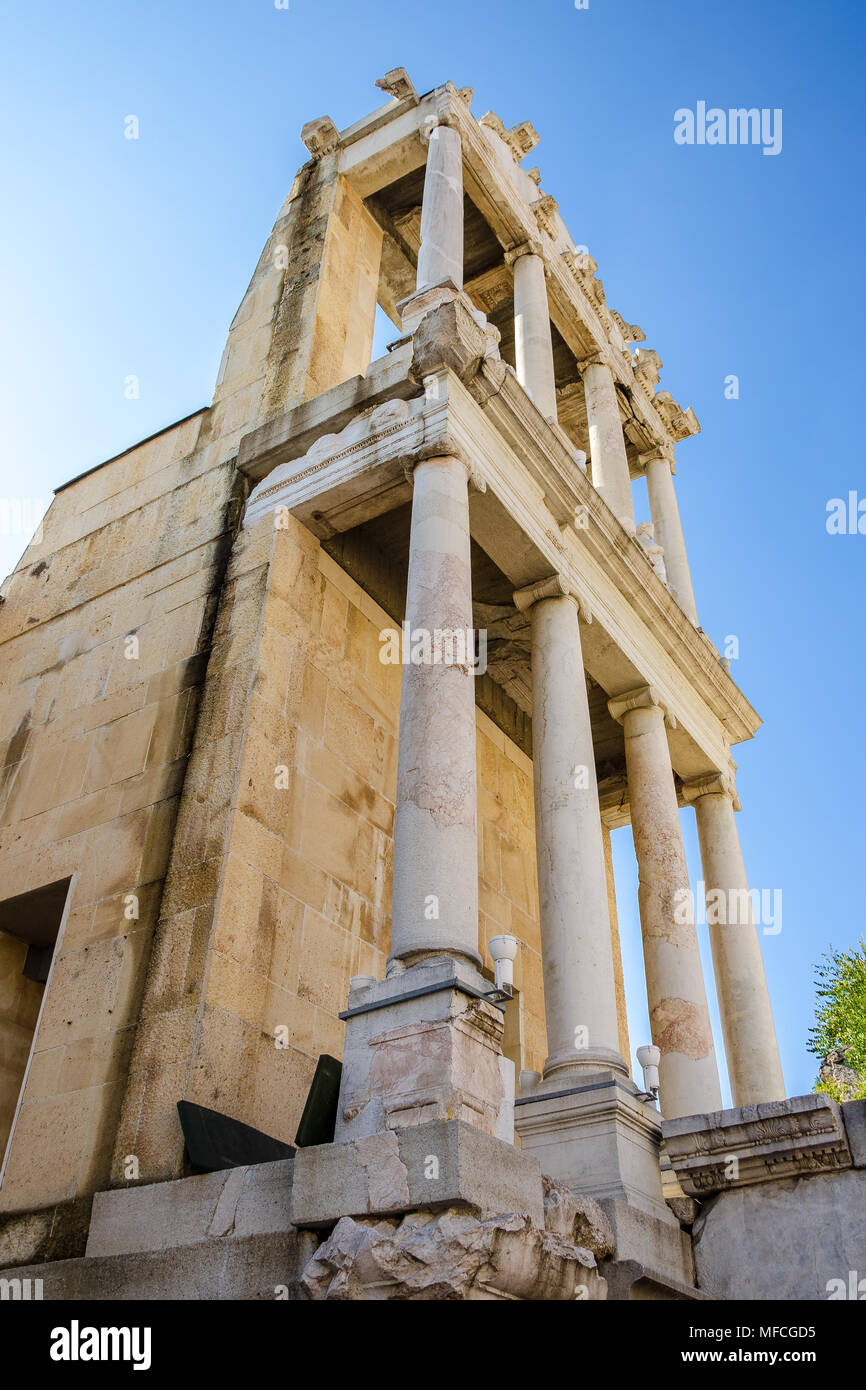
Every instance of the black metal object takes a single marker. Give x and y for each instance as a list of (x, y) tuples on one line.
[(37, 963), (215, 1141), (319, 1119)]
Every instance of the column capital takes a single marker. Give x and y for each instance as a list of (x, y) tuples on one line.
[(712, 784), (531, 247), (659, 451), (445, 447), (644, 697), (596, 359), (554, 586)]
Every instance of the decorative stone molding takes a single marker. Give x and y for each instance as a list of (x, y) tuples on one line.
[(679, 423), (643, 698), (555, 586), (647, 367), (631, 332), (780, 1139), (320, 136), (397, 84), (521, 139), (545, 209)]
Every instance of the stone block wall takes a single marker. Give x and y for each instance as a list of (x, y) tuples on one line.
[(280, 884), (103, 632)]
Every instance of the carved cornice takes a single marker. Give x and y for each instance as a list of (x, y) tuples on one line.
[(320, 136), (780, 1139), (645, 697), (554, 586), (397, 84)]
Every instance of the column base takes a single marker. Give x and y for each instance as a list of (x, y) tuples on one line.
[(421, 1045), (595, 1137)]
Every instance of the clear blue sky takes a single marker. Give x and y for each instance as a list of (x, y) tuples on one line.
[(129, 257)]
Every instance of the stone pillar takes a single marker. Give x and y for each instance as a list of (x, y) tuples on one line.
[(752, 1051), (533, 345), (435, 904), (679, 1018), (616, 948), (441, 254), (610, 473), (669, 531), (577, 961)]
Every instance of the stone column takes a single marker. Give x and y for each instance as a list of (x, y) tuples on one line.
[(610, 473), (752, 1051), (533, 345), (435, 903), (441, 254), (616, 948), (579, 989), (669, 531), (679, 1018)]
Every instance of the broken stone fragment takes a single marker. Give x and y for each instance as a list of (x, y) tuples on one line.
[(450, 1255), (577, 1219)]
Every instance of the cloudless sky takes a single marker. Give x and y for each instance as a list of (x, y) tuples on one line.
[(124, 257)]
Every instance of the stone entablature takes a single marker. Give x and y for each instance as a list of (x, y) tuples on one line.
[(757, 1143), (540, 513), (389, 144)]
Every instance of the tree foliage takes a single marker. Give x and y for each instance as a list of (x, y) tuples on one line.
[(840, 1019)]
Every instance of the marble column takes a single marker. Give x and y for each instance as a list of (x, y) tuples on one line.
[(435, 902), (610, 472), (577, 962), (679, 1017), (754, 1067), (669, 531), (616, 947), (533, 345), (441, 254)]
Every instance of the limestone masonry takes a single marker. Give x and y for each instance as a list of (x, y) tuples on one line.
[(235, 839)]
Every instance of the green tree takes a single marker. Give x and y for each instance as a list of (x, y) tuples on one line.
[(840, 1019)]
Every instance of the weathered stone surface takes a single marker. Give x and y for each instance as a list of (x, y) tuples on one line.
[(442, 1163), (792, 1239), (58, 1233), (629, 1281), (756, 1143), (854, 1119), (577, 1219), (449, 1256), (449, 338), (233, 1203), (251, 1267)]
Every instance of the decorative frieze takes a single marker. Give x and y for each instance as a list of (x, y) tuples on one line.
[(757, 1143)]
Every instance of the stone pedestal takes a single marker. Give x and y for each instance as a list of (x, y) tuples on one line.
[(598, 1139), (425, 1045)]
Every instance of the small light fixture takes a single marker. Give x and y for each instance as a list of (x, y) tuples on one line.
[(649, 1058), (503, 949)]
